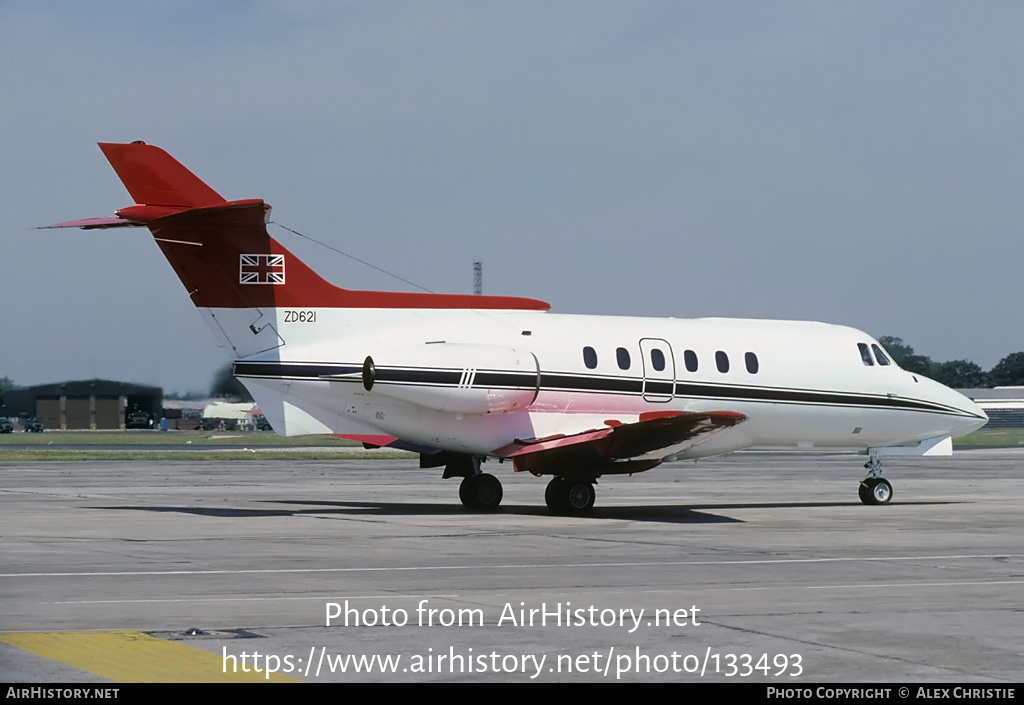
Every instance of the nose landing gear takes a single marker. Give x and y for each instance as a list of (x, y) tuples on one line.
[(874, 489)]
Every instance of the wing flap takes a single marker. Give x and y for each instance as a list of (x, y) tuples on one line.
[(636, 446)]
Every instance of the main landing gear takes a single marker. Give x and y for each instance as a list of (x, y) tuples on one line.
[(479, 490), (482, 492), (570, 496), (874, 489), (567, 495)]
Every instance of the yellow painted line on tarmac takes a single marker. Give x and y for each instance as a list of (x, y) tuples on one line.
[(135, 657)]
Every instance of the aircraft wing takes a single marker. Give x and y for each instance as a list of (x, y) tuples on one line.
[(620, 448)]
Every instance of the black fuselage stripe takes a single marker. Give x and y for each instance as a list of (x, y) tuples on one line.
[(602, 385), (277, 369), (446, 378)]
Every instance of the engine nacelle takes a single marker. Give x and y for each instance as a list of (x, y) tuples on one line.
[(456, 378)]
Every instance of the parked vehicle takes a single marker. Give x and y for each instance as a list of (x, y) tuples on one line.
[(137, 419), (33, 426), (212, 424)]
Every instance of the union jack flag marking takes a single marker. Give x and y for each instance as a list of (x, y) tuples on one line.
[(261, 269)]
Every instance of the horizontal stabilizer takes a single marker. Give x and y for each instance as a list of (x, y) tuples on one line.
[(94, 224)]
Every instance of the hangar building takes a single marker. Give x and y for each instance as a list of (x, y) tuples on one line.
[(1004, 405), (86, 404)]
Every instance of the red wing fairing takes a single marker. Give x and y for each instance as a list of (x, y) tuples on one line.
[(619, 448)]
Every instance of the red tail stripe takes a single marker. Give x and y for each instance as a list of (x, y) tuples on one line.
[(227, 232)]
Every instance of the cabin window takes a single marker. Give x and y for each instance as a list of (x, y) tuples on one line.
[(622, 357), (657, 360), (865, 354), (751, 360), (722, 360), (879, 355), (690, 360), (589, 357)]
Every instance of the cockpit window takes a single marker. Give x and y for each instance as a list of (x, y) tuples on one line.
[(879, 355), (865, 354)]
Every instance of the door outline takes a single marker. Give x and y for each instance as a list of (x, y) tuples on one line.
[(652, 375)]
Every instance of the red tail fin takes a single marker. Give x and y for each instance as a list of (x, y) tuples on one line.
[(223, 254), (155, 178)]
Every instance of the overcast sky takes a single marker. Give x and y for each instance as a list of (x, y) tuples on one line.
[(858, 163)]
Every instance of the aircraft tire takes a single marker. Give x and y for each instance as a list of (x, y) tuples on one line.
[(580, 497), (481, 491), (555, 495), (570, 497), (876, 490)]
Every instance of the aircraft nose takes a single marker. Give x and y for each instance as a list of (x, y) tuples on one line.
[(968, 415), (976, 419)]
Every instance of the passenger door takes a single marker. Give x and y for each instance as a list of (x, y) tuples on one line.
[(659, 369)]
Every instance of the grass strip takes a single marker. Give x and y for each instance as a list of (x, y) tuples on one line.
[(10, 455)]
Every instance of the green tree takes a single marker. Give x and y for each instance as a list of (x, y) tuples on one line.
[(226, 385), (1009, 371), (905, 357), (6, 383), (959, 374)]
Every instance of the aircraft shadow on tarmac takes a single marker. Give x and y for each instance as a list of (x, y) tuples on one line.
[(661, 513), (667, 513)]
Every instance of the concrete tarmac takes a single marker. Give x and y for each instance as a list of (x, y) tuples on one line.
[(751, 567)]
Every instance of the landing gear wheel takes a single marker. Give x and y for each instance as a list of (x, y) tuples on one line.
[(580, 498), (554, 495), (875, 490), (481, 491), (573, 497)]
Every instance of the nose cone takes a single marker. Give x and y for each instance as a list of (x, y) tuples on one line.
[(960, 415), (971, 418), (977, 419)]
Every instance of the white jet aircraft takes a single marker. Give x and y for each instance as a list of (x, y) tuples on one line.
[(460, 379)]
